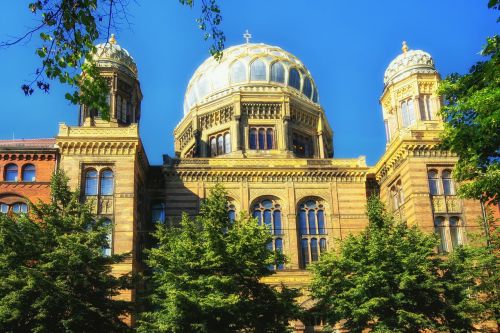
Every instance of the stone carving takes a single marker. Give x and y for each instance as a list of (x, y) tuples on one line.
[(215, 118), (261, 110)]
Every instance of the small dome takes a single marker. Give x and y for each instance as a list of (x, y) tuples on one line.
[(407, 63), (111, 54), (249, 64)]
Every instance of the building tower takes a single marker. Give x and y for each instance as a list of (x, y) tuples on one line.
[(106, 159), (413, 174)]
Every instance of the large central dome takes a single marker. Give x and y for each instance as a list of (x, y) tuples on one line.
[(249, 64)]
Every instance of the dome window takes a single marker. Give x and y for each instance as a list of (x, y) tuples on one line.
[(278, 72), (258, 71), (315, 95), (307, 88), (294, 78), (238, 72)]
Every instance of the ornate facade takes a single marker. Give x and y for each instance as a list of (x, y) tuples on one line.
[(253, 122)]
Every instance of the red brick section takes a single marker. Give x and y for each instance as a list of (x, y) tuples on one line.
[(42, 154)]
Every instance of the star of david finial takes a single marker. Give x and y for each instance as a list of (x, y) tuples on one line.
[(247, 36), (112, 39)]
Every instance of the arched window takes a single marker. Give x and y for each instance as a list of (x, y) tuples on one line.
[(10, 173), (262, 138), (158, 212), (307, 88), (278, 72), (455, 232), (4, 208), (213, 147), (220, 145), (311, 220), (268, 212), (227, 143), (91, 182), (433, 182), (448, 185), (258, 71), (322, 245), (269, 138), (238, 72), (441, 232), (20, 208), (294, 78), (408, 112), (29, 173), (315, 96), (253, 138), (107, 182), (107, 248)]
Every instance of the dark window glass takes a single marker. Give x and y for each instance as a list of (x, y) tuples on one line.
[(321, 222), (107, 182), (158, 212), (232, 215), (262, 139), (106, 249), (314, 249), (267, 219), (270, 248), (253, 138), (213, 147), (455, 231), (269, 138), (311, 216), (220, 145), (441, 232), (448, 185), (294, 79), (227, 143), (307, 89), (29, 173), (277, 222), (258, 71), (303, 222), (11, 173), (304, 252), (434, 183), (278, 72), (91, 182), (20, 208), (258, 215), (315, 96), (279, 248)]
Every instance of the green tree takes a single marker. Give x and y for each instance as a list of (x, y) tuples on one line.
[(68, 31), (54, 276), (389, 279), (471, 117), (206, 276)]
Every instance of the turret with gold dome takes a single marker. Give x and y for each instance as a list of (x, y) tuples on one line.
[(409, 100), (125, 96), (258, 100)]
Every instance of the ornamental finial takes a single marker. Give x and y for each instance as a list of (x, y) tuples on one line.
[(247, 36), (405, 47), (112, 39)]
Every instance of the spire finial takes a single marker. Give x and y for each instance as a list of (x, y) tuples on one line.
[(112, 39), (405, 47), (247, 36)]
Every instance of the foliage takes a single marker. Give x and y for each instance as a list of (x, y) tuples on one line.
[(389, 279), (69, 29), (53, 274), (206, 276), (472, 122)]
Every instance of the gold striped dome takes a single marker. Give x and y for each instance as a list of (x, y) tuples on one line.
[(249, 64), (112, 55), (407, 63)]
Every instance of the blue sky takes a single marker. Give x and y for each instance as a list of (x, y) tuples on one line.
[(346, 45)]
